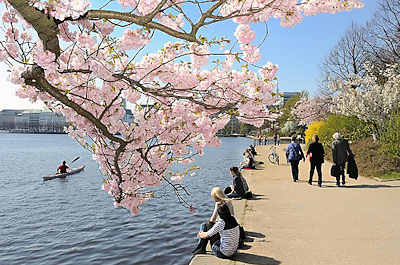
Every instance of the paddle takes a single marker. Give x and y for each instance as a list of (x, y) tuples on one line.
[(76, 158)]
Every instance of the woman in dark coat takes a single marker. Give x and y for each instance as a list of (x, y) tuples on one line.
[(316, 154)]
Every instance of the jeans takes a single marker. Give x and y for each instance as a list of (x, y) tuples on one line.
[(216, 250), (295, 169), (207, 226)]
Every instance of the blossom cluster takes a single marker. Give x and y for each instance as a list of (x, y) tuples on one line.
[(308, 110)]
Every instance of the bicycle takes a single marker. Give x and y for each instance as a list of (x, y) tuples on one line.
[(273, 157)]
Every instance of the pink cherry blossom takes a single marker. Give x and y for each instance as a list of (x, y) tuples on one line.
[(133, 39), (244, 34)]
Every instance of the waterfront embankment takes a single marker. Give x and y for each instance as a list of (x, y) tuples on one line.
[(298, 224)]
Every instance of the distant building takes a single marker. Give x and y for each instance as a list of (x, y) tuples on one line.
[(7, 118), (32, 121)]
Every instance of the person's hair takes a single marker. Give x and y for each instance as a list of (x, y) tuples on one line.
[(235, 170), (336, 135), (64, 162), (294, 138), (227, 190), (225, 214), (316, 138), (218, 195)]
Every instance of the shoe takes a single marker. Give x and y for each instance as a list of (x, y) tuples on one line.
[(343, 183), (310, 182), (320, 184), (338, 184)]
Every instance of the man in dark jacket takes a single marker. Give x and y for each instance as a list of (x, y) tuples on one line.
[(340, 153), (316, 154)]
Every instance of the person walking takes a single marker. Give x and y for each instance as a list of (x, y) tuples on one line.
[(294, 154), (275, 138), (340, 153), (316, 155), (278, 139)]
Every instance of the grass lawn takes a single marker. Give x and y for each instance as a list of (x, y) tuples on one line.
[(389, 176)]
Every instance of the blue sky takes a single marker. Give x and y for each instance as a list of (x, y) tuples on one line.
[(298, 50)]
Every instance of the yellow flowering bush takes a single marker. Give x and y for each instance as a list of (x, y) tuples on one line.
[(312, 129)]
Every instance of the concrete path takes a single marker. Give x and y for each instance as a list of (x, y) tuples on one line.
[(295, 223)]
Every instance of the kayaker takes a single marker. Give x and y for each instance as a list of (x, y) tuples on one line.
[(62, 168)]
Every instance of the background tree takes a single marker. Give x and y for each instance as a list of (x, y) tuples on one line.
[(382, 41), (286, 111), (314, 109), (347, 57), (83, 61), (368, 99)]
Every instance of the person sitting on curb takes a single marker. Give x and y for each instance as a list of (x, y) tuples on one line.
[(219, 198), (229, 232), (252, 150), (239, 189)]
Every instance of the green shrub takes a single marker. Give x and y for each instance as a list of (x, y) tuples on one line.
[(371, 162), (350, 128), (390, 140)]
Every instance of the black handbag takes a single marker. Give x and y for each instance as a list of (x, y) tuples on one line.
[(335, 171)]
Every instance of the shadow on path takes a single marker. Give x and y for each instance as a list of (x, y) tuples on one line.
[(363, 186), (258, 197), (255, 259), (255, 234)]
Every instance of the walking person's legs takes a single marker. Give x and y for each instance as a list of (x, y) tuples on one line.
[(319, 174), (312, 167), (342, 173), (295, 169)]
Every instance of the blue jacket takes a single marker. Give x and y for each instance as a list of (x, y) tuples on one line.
[(294, 152)]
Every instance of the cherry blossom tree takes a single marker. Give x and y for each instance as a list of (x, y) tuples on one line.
[(84, 61), (368, 98), (308, 110)]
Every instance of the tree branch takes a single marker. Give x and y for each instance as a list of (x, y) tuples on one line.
[(142, 21), (45, 25), (35, 77)]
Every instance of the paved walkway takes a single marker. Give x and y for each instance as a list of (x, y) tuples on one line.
[(295, 223)]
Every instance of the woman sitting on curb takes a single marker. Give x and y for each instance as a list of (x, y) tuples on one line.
[(220, 199), (228, 230), (239, 189)]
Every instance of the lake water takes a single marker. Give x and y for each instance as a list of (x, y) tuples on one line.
[(72, 221)]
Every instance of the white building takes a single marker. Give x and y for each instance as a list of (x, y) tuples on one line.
[(32, 121)]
